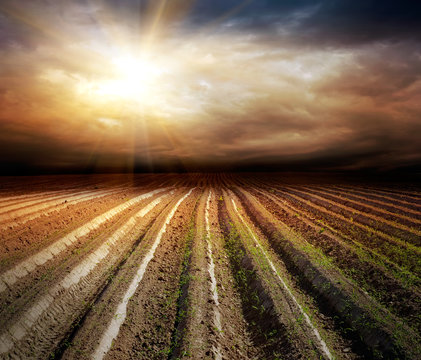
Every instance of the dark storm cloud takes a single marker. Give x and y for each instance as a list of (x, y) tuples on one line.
[(329, 22)]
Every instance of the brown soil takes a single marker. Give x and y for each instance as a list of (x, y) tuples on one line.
[(356, 279), (368, 275), (370, 238)]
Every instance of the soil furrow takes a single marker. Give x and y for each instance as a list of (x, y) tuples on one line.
[(377, 280), (297, 211), (358, 197), (399, 193), (209, 267), (21, 217), (44, 276), (22, 199), (378, 211), (404, 256), (26, 207), (111, 333), (372, 193), (180, 326), (400, 233), (101, 315), (213, 286), (26, 239), (269, 335), (55, 310), (13, 214), (321, 342), (10, 277), (352, 307), (207, 335)]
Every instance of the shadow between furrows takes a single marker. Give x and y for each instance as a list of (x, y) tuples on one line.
[(351, 320), (268, 335)]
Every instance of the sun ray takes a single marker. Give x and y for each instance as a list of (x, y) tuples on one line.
[(153, 29)]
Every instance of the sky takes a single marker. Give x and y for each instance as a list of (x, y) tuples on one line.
[(209, 85)]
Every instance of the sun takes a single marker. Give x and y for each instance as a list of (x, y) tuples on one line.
[(133, 78)]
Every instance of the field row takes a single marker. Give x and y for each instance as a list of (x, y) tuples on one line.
[(210, 267)]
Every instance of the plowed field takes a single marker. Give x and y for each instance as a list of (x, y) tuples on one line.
[(215, 266)]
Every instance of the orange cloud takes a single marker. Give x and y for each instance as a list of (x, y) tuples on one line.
[(85, 95)]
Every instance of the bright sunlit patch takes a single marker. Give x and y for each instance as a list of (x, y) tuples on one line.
[(132, 78), (136, 79), (108, 122)]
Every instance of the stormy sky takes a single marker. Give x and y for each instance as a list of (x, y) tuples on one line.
[(132, 85)]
